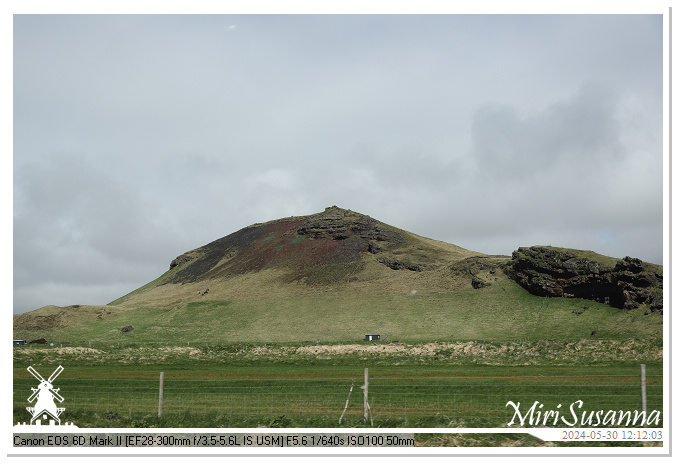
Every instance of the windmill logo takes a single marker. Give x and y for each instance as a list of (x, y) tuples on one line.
[(44, 396)]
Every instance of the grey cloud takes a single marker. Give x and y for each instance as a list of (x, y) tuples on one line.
[(83, 227), (137, 138), (581, 132)]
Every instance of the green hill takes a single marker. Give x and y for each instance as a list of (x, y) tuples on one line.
[(334, 277)]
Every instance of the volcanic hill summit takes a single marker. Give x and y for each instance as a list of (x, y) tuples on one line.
[(338, 275), (336, 247)]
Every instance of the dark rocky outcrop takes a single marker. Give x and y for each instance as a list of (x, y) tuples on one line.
[(375, 247), (327, 226), (333, 226), (478, 283), (128, 328), (179, 260), (546, 271), (479, 269), (398, 265)]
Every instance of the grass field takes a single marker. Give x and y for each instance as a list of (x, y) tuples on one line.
[(285, 386), (309, 385)]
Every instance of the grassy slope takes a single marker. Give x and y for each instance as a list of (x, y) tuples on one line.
[(370, 276), (501, 312)]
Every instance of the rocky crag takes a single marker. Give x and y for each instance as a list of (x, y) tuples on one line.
[(552, 272), (335, 238)]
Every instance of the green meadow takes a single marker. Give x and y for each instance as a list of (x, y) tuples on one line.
[(246, 385), (501, 312)]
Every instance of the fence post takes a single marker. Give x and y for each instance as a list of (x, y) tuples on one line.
[(643, 388), (160, 395), (365, 395)]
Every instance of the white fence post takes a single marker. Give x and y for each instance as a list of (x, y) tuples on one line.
[(346, 405), (366, 408), (160, 395), (643, 388)]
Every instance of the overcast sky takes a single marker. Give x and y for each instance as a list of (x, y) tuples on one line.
[(137, 138)]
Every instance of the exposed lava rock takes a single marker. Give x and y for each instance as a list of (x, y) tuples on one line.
[(478, 283), (179, 260), (328, 226), (549, 272), (334, 227), (375, 247), (480, 270), (398, 265)]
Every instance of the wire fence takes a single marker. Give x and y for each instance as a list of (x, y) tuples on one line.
[(468, 401), (488, 403)]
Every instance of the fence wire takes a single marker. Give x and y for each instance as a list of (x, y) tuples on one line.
[(468, 400)]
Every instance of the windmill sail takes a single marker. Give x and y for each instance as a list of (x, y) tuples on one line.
[(55, 374), (35, 373)]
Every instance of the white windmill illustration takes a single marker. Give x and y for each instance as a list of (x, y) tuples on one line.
[(46, 394)]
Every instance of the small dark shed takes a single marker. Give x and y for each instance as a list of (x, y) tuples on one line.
[(371, 338)]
